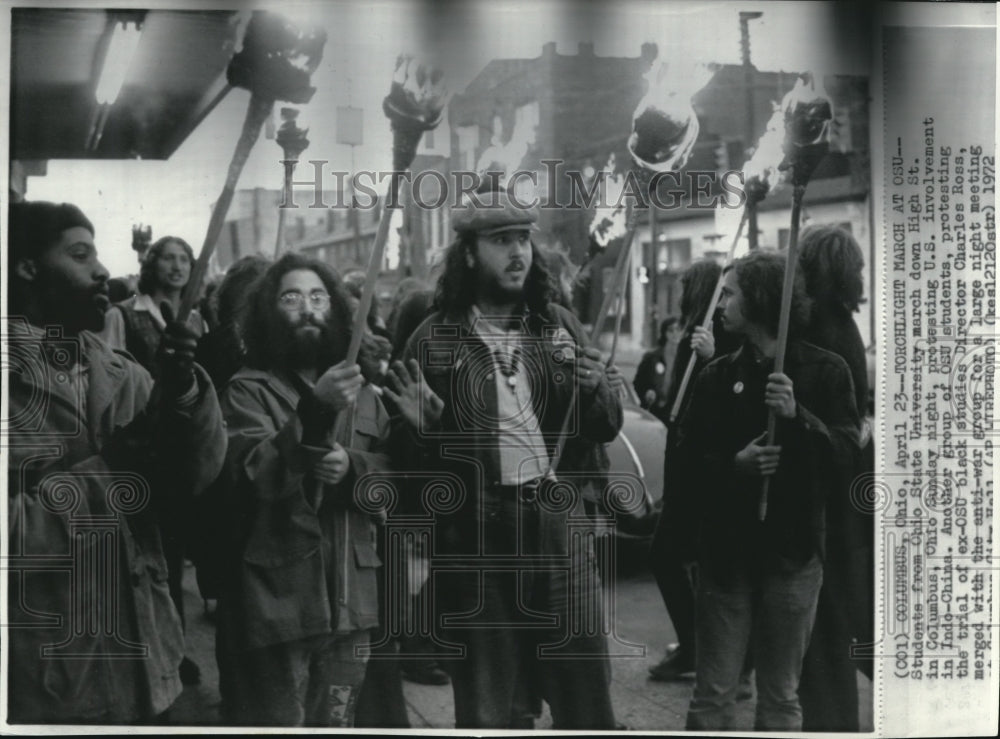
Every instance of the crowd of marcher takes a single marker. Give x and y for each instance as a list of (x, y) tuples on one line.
[(419, 509)]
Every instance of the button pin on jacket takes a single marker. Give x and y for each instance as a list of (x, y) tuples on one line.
[(738, 387)]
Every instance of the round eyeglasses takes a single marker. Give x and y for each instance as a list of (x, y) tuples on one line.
[(294, 300)]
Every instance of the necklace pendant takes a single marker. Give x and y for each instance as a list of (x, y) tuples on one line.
[(512, 381)]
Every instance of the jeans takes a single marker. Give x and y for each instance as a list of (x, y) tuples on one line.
[(770, 612)]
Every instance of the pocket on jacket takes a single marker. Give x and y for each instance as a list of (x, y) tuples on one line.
[(365, 555), (284, 601), (364, 599), (367, 430)]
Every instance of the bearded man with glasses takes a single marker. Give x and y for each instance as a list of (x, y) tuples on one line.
[(301, 595)]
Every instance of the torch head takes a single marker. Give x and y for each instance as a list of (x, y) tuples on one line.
[(414, 104), (807, 112), (292, 139), (663, 137), (417, 96), (665, 125), (277, 59)]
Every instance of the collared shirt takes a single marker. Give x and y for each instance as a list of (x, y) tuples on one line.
[(114, 324), (523, 456)]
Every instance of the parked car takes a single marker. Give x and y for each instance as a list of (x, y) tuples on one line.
[(638, 452)]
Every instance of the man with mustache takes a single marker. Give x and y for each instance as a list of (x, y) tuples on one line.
[(484, 385), (757, 582), (304, 428), (94, 445)]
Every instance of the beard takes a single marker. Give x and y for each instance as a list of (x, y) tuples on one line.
[(303, 342), (76, 309)]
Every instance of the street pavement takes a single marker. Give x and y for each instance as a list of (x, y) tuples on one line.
[(641, 626)]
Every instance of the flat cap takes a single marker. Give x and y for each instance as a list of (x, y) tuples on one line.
[(493, 212)]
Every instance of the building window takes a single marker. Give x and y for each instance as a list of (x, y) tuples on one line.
[(678, 254), (429, 139), (468, 143)]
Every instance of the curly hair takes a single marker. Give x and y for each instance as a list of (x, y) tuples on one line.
[(235, 288), (832, 263), (697, 286), (147, 271), (761, 276), (267, 338), (456, 288)]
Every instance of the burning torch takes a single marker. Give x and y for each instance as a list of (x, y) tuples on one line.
[(414, 105), (664, 131), (760, 176), (275, 63), (807, 112)]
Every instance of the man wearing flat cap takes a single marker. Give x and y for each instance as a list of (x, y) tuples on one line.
[(94, 449), (483, 387)]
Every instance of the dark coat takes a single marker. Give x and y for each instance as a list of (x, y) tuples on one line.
[(297, 571), (835, 330), (61, 488), (819, 445), (449, 351)]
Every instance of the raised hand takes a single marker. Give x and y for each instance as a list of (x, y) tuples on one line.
[(176, 353), (407, 388)]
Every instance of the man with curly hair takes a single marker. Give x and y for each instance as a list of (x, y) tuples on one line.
[(485, 383), (296, 610), (758, 581)]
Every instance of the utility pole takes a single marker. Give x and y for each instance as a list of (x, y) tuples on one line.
[(751, 128)]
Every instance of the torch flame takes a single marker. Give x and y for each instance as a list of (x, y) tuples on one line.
[(665, 125), (505, 159), (609, 222), (418, 91), (807, 114), (760, 173)]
